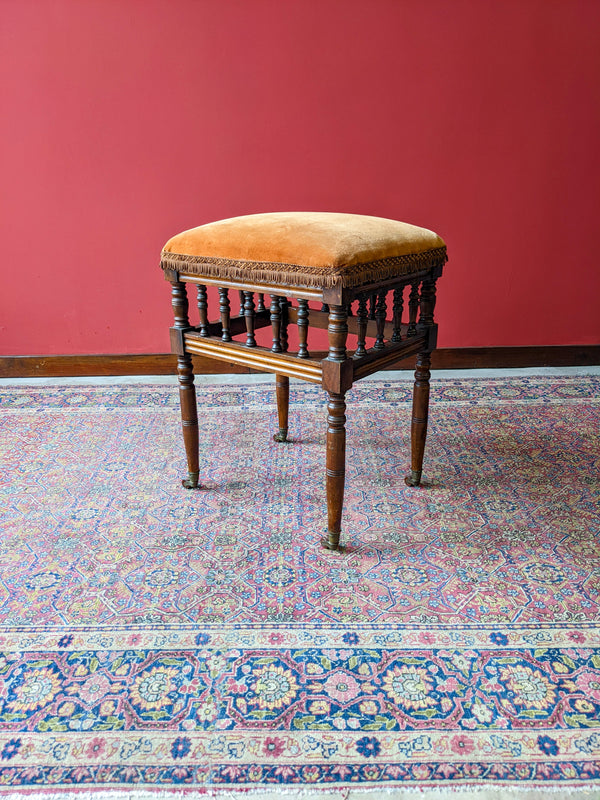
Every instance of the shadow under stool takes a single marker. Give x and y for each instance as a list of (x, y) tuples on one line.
[(353, 268)]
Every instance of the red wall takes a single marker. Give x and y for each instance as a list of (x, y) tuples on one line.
[(125, 121)]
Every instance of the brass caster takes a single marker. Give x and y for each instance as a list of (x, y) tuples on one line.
[(331, 542), (191, 482), (281, 435), (413, 478)]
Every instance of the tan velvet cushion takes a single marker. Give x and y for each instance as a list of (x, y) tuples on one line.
[(304, 249)]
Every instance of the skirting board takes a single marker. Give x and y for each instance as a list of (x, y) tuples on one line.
[(164, 363)]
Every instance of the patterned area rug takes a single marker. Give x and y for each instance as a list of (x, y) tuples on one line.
[(158, 638)]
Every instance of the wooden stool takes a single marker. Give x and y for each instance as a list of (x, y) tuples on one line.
[(335, 260)]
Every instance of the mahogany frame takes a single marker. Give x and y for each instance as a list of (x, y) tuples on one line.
[(394, 341)]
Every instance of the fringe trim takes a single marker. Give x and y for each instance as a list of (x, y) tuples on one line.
[(307, 277), (496, 791)]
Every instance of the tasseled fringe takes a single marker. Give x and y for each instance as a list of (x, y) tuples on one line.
[(495, 791), (264, 272)]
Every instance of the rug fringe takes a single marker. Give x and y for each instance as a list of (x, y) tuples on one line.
[(472, 792)]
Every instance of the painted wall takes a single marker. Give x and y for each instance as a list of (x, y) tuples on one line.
[(125, 121)]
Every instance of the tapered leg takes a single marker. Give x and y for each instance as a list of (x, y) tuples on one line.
[(282, 390), (185, 371), (420, 411), (335, 468), (189, 418)]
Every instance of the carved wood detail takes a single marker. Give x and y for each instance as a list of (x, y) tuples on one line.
[(224, 309), (284, 305), (398, 309), (202, 309), (250, 315), (302, 318), (362, 315), (413, 306), (372, 304), (380, 315), (276, 323)]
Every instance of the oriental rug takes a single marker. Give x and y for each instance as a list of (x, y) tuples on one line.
[(155, 639)]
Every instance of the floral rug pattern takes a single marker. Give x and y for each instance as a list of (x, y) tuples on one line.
[(159, 637)]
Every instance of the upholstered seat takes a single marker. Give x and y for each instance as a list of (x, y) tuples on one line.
[(305, 249), (352, 269)]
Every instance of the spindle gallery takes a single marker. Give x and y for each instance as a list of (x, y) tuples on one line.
[(358, 272)]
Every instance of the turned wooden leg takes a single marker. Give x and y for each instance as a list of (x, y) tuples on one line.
[(420, 410), (189, 418), (185, 371), (335, 469), (282, 390)]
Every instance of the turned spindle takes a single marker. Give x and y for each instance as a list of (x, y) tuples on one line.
[(372, 305), (380, 315), (202, 309), (413, 306), (398, 309), (250, 316), (275, 323), (302, 321), (284, 305), (362, 316), (224, 308), (261, 303)]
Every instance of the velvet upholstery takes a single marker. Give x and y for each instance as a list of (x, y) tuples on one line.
[(304, 248)]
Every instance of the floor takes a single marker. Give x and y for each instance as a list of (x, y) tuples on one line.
[(488, 793), (391, 375)]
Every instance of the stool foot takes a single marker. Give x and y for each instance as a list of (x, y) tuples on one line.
[(331, 541), (282, 392), (191, 482), (281, 435), (413, 478)]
